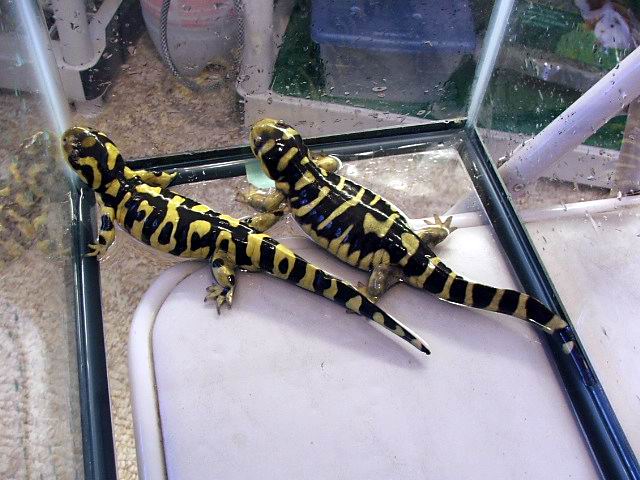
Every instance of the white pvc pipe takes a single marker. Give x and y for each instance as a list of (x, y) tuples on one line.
[(564, 211), (73, 29), (591, 111), (259, 51)]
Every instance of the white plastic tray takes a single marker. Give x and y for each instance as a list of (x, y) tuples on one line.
[(288, 385)]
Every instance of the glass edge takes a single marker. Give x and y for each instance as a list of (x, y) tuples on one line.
[(593, 411), (95, 404)]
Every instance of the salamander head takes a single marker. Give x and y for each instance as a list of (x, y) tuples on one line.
[(270, 141), (94, 157)]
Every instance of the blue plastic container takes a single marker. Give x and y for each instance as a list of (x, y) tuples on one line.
[(401, 50)]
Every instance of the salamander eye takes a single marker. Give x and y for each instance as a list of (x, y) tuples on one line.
[(281, 124)]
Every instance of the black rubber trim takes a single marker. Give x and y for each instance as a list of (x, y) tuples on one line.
[(603, 432), (95, 406), (205, 165)]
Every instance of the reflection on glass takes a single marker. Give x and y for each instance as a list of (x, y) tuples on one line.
[(565, 74)]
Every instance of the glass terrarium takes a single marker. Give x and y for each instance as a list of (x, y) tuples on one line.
[(516, 120)]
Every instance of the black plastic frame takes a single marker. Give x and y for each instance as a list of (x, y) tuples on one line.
[(602, 431)]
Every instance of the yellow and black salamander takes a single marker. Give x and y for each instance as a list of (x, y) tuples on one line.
[(140, 202), (368, 232)]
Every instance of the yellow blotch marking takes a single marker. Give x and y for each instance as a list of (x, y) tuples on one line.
[(556, 323), (136, 228), (266, 147), (468, 294), (495, 302), (283, 187), (446, 290), (113, 188), (324, 191), (201, 208), (289, 132), (97, 176), (399, 331), (378, 318), (332, 290), (354, 304), (521, 309), (307, 281), (88, 142), (351, 259), (113, 153), (341, 183), (365, 262), (234, 222), (420, 280), (306, 179), (567, 347), (352, 202), (283, 253), (145, 188), (304, 161), (202, 227), (379, 227), (286, 158), (171, 216), (375, 200), (336, 245), (410, 242), (380, 257), (253, 247), (121, 209)]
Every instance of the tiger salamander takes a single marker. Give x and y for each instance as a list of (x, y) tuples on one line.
[(140, 202), (366, 231)]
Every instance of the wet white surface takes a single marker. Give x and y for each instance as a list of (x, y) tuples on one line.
[(287, 385)]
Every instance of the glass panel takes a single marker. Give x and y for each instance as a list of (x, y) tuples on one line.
[(572, 182), (333, 66), (39, 418), (493, 392)]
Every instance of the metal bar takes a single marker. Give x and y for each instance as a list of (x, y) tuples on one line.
[(603, 433), (229, 162), (95, 406)]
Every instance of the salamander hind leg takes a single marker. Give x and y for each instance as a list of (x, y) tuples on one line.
[(436, 232), (107, 232), (225, 277), (263, 200), (382, 278)]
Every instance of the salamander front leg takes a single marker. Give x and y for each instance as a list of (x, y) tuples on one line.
[(263, 200), (225, 277), (155, 178), (382, 278), (107, 232), (436, 232), (328, 163)]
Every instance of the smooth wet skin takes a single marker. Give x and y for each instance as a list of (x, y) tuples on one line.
[(364, 230), (140, 202)]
